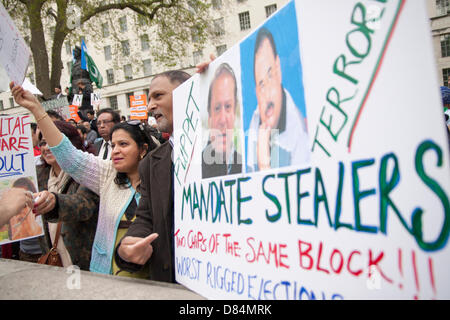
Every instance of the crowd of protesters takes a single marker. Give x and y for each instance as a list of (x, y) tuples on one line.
[(107, 184)]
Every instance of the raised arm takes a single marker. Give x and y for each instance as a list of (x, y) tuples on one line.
[(27, 100)]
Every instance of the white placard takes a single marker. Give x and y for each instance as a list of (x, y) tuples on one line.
[(364, 212), (14, 52)]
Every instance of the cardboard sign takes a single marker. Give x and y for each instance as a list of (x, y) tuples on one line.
[(138, 107), (96, 99), (311, 169), (77, 100), (73, 112), (14, 52), (61, 106), (17, 169)]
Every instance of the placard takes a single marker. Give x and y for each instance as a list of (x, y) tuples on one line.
[(14, 52), (311, 169), (17, 169), (138, 107)]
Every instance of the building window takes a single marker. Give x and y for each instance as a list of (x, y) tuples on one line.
[(1, 105), (105, 30), (113, 103), (125, 47), (442, 7), (69, 67), (194, 35), (221, 49), (129, 94), (110, 76), (445, 45), (145, 42), (11, 102), (270, 9), (219, 27), (107, 51), (217, 4), (244, 20), (123, 24), (128, 72), (147, 67), (445, 76), (197, 56)]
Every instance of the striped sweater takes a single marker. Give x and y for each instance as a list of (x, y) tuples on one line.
[(97, 175)]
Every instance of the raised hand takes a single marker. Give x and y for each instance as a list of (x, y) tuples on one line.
[(137, 250), (24, 98), (201, 67)]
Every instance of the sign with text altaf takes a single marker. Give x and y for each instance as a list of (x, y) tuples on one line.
[(306, 167), (17, 169)]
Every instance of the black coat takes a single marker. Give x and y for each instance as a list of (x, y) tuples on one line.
[(155, 214)]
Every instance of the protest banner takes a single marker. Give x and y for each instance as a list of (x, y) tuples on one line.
[(73, 112), (312, 169), (60, 105), (17, 169), (14, 52), (96, 100), (138, 107), (77, 100)]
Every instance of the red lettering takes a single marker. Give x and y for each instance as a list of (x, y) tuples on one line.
[(318, 260), (23, 143), (341, 263), (253, 250), (349, 261), (282, 264), (375, 263), (305, 253)]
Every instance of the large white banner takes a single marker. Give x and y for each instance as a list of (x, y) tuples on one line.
[(311, 161)]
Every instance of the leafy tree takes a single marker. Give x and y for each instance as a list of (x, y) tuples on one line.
[(171, 20)]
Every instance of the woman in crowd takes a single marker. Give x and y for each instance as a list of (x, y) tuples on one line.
[(63, 200), (115, 181)]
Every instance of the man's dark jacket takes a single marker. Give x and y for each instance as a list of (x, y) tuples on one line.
[(155, 214)]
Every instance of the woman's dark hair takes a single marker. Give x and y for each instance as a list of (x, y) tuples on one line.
[(70, 132), (142, 134)]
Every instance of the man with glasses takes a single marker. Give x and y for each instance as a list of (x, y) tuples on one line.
[(277, 132), (106, 119)]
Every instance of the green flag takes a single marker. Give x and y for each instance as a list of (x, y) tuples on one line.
[(87, 63)]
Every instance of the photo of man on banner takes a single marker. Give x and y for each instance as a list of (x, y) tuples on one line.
[(277, 133), (221, 156)]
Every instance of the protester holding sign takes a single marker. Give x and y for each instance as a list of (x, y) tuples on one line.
[(115, 181), (155, 211), (62, 200)]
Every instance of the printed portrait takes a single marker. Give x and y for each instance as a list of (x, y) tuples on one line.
[(274, 113), (222, 129)]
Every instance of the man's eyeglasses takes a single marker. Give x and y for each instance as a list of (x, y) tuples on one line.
[(105, 122)]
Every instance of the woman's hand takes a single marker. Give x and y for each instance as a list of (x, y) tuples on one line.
[(25, 98), (45, 202)]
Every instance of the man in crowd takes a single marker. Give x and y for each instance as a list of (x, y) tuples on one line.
[(106, 119), (91, 135), (58, 93), (277, 131), (92, 120), (155, 213), (220, 156)]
